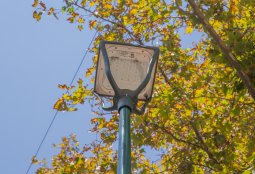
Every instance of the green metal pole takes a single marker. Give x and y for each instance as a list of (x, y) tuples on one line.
[(124, 153)]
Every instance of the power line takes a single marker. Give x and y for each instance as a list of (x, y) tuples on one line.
[(83, 58), (55, 115)]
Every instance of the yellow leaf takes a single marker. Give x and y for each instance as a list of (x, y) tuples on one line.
[(232, 6), (133, 11), (72, 109), (178, 106), (37, 16), (228, 69), (66, 97), (126, 19), (89, 72), (199, 92), (189, 30), (83, 3), (217, 25), (80, 82), (108, 6), (92, 80), (80, 27), (60, 105), (92, 3), (81, 20)]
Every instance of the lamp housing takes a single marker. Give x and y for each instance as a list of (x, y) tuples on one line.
[(126, 70)]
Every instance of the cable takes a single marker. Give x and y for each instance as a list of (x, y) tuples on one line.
[(83, 58), (55, 115), (46, 133)]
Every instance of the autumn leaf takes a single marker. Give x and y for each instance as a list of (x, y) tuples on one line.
[(83, 3), (37, 16), (80, 82), (130, 2), (60, 105), (80, 20), (71, 19), (71, 109), (43, 5), (75, 14), (92, 24), (62, 86), (92, 3), (65, 87), (51, 11), (89, 72), (34, 160), (108, 6), (232, 7), (92, 80), (36, 2), (80, 27), (189, 30)]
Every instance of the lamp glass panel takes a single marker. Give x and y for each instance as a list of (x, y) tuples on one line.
[(129, 66)]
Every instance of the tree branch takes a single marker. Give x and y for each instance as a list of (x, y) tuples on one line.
[(164, 75), (156, 126), (224, 48), (199, 137), (204, 146)]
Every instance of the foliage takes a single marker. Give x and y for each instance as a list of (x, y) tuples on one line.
[(201, 117), (71, 158)]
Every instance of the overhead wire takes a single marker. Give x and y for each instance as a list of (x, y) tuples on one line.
[(56, 113)]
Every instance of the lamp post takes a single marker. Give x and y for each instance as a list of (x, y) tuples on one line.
[(126, 73)]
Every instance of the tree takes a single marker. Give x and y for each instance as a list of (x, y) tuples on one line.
[(202, 113)]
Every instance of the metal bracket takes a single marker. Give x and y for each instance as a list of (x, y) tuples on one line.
[(126, 101)]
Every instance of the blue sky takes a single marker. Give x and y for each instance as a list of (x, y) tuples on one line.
[(34, 58)]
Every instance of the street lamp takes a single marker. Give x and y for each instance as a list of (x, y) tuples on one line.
[(126, 73)]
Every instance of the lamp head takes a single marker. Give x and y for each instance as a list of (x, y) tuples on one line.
[(126, 70), (128, 64)]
